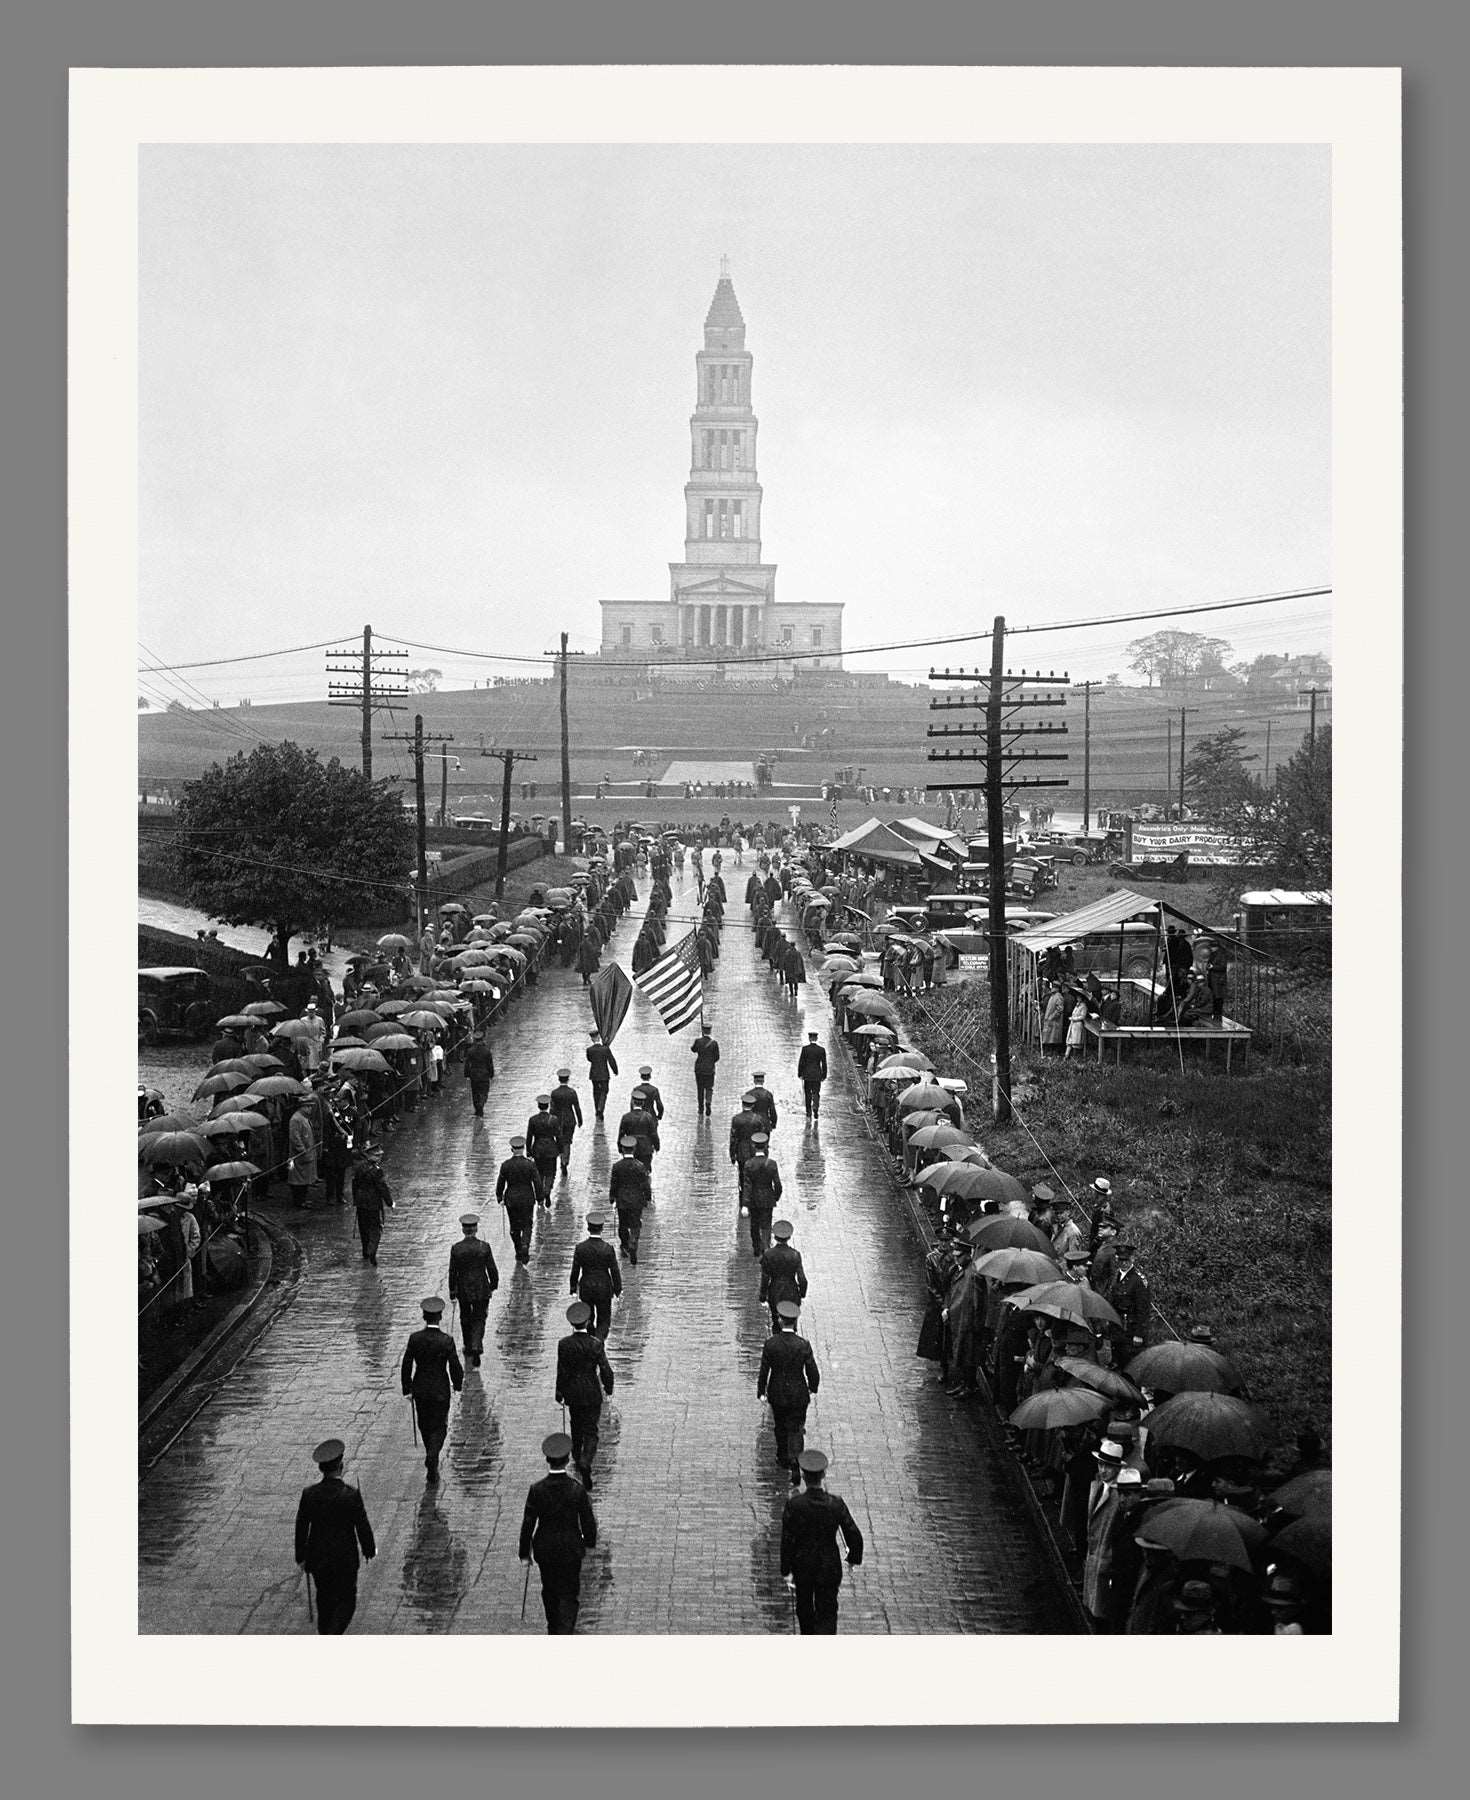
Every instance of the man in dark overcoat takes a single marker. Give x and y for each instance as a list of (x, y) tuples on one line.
[(783, 1277), (558, 1528), (603, 1066), (518, 1188), (473, 1279), (331, 1526), (811, 1072), (430, 1364), (630, 1190), (596, 1277), (809, 1527), (583, 1376), (789, 1376)]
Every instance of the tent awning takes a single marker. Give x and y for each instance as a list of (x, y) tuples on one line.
[(1117, 909), (880, 844), (926, 836)]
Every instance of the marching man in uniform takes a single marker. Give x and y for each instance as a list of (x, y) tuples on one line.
[(809, 1527), (331, 1523), (630, 1190), (603, 1065), (558, 1528), (518, 1188), (811, 1071), (646, 1094), (583, 1376), (430, 1364), (789, 1374), (596, 1277), (566, 1109), (473, 1279), (782, 1274)]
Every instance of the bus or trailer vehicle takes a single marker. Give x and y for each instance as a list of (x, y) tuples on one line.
[(1285, 922), (173, 1002)]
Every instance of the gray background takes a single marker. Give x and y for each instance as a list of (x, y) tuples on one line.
[(44, 1755)]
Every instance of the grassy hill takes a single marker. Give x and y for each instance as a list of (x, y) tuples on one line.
[(866, 721)]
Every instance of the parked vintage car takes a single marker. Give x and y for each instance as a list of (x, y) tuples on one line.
[(174, 1002)]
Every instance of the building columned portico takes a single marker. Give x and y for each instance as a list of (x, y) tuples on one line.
[(722, 596)]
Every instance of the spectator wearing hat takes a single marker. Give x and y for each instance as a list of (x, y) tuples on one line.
[(1128, 1295), (543, 1145), (629, 1190), (783, 1276), (331, 1526), (566, 1109), (743, 1127), (473, 1279), (479, 1071), (810, 1522), (1066, 1233), (430, 1366), (558, 1528), (596, 1277), (706, 1056), (314, 1037), (1054, 1021), (762, 1100), (1196, 1610), (602, 1064), (300, 1156), (518, 1188), (646, 1094), (371, 1195), (1102, 1506), (790, 1376), (811, 1072), (583, 1376)]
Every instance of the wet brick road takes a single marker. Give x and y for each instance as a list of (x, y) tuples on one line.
[(688, 1494)]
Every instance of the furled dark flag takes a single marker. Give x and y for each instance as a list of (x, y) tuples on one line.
[(675, 985), (611, 994)]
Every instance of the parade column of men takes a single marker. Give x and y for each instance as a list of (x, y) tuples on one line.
[(559, 1526)]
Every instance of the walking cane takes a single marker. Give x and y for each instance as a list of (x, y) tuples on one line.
[(413, 1419), (525, 1589), (310, 1609)]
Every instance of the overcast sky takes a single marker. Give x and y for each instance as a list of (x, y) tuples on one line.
[(446, 390)]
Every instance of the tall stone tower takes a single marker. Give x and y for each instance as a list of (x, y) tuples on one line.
[(722, 589)]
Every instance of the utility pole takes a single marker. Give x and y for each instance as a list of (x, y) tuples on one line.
[(371, 688), (443, 792), (418, 740), (1087, 687), (566, 749), (1169, 765), (1182, 711), (508, 758), (1266, 778), (1312, 727), (1005, 696)]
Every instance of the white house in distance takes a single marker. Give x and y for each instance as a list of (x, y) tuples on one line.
[(722, 613)]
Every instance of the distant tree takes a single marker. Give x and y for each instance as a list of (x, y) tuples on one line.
[(1113, 680), (176, 706), (1288, 827), (424, 681), (1175, 658), (143, 704), (1217, 782), (280, 839)]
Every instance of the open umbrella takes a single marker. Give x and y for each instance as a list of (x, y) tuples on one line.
[(907, 1059), (237, 1022), (347, 1042), (995, 1184), (172, 1147), (1003, 1231), (271, 1087), (233, 1124), (1054, 1408), (1305, 1495), (292, 1028), (421, 1019), (262, 1062), (232, 1065), (875, 1030), (860, 978), (1176, 1368), (363, 1061), (1029, 1266), (957, 1180), (394, 940), (1308, 1541), (524, 940), (357, 1020), (449, 906), (390, 1009), (1210, 1426), (477, 987), (231, 1171), (1205, 1531), (400, 1040), (509, 954), (222, 1084), (1065, 1300), (417, 984), (925, 1094), (175, 1121), (147, 1225), (264, 1009), (1094, 1375), (485, 919), (937, 1137), (383, 1028)]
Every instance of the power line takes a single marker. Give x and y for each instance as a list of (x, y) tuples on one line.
[(218, 662)]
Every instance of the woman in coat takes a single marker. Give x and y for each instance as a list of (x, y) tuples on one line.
[(1054, 1022)]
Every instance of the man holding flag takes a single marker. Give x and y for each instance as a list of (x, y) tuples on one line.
[(675, 984)]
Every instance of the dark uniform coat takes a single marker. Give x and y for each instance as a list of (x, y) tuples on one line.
[(706, 1055), (473, 1277), (479, 1064), (518, 1184), (789, 1374), (628, 1186), (782, 1275), (1128, 1295), (583, 1373), (603, 1064), (648, 1096), (595, 1271), (559, 1524), (811, 1065), (331, 1523), (430, 1364), (743, 1128), (566, 1109), (543, 1137), (643, 1126), (762, 1185), (809, 1528), (765, 1104)]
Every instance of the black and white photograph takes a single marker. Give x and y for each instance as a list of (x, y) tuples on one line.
[(748, 730)]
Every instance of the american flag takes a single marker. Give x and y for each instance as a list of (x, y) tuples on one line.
[(675, 985)]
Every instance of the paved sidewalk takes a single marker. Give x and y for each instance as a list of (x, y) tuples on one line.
[(688, 1494)]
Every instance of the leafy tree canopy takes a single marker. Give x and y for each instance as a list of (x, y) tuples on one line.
[(280, 839), (1176, 658), (1216, 779), (1289, 827)]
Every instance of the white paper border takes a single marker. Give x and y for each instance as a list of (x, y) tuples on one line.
[(120, 1676)]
